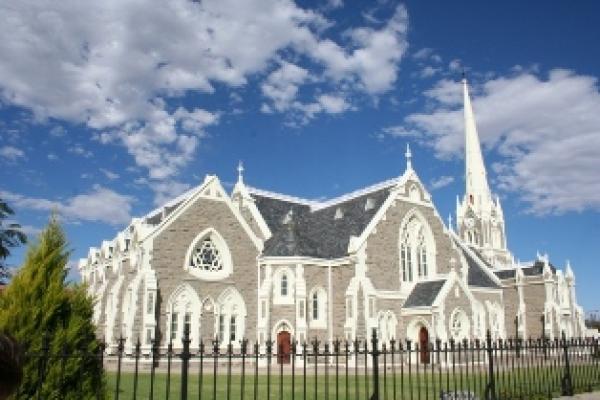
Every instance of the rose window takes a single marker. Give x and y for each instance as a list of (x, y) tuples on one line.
[(206, 257)]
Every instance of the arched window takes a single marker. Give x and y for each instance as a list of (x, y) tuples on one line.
[(232, 313), (183, 308), (317, 298), (459, 325), (417, 250), (208, 256), (422, 256), (284, 285)]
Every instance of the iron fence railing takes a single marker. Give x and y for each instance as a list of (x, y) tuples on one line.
[(342, 370)]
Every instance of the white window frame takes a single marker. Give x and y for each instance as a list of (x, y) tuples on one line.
[(321, 321)]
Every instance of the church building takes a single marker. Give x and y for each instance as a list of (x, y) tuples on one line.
[(267, 266)]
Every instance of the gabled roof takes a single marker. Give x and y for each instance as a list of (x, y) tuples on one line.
[(320, 230), (424, 294)]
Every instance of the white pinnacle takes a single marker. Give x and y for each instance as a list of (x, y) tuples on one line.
[(240, 170), (408, 156)]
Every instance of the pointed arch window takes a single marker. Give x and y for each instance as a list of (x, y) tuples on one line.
[(417, 250)]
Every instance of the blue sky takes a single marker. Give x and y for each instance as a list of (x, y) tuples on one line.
[(108, 109)]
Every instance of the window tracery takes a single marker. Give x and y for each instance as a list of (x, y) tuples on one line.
[(416, 250), (206, 256)]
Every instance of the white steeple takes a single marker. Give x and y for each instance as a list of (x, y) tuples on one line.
[(477, 189), (479, 217)]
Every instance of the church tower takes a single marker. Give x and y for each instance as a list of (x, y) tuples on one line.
[(479, 217)]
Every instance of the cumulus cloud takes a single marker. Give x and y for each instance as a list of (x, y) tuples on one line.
[(546, 130), (441, 182), (281, 86), (115, 65), (99, 205), (11, 153)]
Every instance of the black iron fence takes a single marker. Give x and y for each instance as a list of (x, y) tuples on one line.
[(359, 370)]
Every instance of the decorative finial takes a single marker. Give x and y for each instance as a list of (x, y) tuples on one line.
[(408, 156), (240, 169)]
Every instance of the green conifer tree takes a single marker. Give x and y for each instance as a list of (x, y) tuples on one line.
[(42, 311)]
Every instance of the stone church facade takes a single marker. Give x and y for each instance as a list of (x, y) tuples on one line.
[(266, 266)]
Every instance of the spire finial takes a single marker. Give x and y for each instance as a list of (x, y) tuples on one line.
[(240, 170), (408, 156)]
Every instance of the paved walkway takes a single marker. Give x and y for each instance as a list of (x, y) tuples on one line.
[(584, 396)]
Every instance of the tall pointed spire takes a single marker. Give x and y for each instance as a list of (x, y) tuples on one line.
[(478, 190), (479, 217)]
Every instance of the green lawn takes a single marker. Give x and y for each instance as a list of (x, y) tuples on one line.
[(518, 383)]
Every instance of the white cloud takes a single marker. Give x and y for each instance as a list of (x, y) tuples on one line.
[(372, 62), (399, 131), (80, 151), (441, 182), (114, 65), (332, 104), (11, 153), (109, 174), (167, 190), (58, 131), (429, 71), (545, 130), (281, 86), (100, 205)]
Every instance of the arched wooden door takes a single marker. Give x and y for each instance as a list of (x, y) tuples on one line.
[(284, 346), (424, 345)]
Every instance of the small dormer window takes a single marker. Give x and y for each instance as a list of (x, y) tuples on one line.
[(369, 204), (339, 214)]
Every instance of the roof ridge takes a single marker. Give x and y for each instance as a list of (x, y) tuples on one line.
[(280, 196), (356, 193), (319, 205)]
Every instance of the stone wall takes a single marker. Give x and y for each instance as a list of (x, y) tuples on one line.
[(383, 258), (170, 249)]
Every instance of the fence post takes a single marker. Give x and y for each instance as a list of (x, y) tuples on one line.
[(566, 382), (185, 359), (490, 390), (375, 355), (120, 349)]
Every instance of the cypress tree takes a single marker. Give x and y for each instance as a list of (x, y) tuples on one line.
[(49, 316)]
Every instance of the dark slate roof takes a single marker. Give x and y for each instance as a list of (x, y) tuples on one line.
[(424, 294), (535, 269), (476, 275), (506, 273), (316, 233)]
